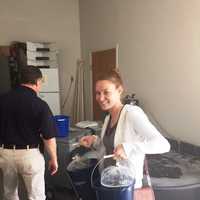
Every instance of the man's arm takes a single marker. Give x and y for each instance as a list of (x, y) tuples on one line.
[(50, 146)]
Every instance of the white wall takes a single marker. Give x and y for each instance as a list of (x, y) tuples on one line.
[(49, 21), (159, 55)]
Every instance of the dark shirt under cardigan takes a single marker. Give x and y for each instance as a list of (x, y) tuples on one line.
[(24, 117), (108, 141)]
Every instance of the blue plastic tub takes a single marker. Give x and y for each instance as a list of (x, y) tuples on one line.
[(62, 122)]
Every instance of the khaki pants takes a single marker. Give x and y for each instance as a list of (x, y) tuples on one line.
[(30, 165)]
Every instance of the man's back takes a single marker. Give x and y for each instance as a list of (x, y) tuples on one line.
[(21, 117)]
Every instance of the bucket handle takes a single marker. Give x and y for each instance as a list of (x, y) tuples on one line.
[(105, 157)]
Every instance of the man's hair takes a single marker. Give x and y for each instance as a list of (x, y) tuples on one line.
[(30, 75)]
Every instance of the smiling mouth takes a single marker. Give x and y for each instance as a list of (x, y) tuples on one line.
[(103, 104)]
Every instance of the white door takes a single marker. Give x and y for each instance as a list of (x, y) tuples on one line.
[(50, 80), (53, 100)]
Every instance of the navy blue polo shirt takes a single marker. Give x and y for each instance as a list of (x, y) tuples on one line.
[(24, 118)]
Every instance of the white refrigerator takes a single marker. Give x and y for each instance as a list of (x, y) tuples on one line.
[(50, 91)]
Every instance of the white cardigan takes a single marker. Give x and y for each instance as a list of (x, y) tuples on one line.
[(138, 136)]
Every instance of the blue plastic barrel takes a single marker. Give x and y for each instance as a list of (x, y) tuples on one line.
[(111, 193), (116, 193), (62, 122)]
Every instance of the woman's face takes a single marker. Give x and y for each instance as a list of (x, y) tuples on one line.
[(107, 94)]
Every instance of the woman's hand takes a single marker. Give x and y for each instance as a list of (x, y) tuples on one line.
[(87, 140), (119, 152)]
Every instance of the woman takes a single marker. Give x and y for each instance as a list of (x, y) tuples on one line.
[(127, 132)]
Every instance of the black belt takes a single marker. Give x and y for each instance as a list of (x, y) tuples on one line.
[(19, 146)]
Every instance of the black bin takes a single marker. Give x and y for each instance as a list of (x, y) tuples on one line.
[(81, 180)]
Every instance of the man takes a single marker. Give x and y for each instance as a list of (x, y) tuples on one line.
[(26, 121)]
